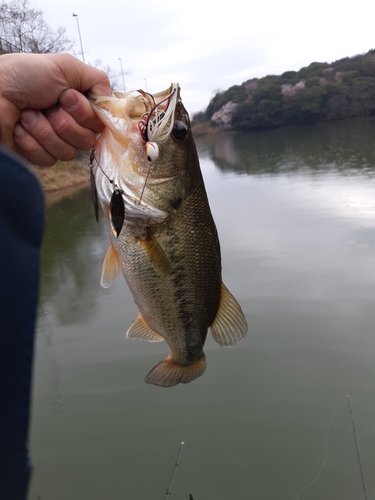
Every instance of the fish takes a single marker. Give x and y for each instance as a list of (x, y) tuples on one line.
[(162, 234)]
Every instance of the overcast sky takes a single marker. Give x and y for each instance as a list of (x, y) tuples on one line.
[(208, 45)]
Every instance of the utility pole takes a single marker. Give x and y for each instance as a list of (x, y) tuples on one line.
[(122, 75), (80, 39)]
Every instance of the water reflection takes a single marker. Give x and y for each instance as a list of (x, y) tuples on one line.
[(295, 210), (72, 243), (345, 146)]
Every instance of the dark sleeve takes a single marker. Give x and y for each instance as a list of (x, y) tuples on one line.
[(21, 227)]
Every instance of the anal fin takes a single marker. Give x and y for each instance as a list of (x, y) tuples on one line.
[(229, 325), (139, 330), (111, 267), (169, 373)]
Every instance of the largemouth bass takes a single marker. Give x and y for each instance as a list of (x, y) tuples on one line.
[(162, 234)]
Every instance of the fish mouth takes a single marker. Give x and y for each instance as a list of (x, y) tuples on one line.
[(151, 114), (133, 120), (156, 124)]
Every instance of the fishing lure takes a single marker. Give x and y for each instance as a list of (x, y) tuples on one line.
[(94, 192), (116, 206), (157, 123), (117, 211)]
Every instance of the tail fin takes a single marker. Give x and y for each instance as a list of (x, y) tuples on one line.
[(168, 372)]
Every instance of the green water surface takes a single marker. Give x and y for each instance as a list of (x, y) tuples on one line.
[(269, 419)]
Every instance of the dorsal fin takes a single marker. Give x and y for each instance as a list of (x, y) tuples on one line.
[(111, 267), (139, 330), (229, 325)]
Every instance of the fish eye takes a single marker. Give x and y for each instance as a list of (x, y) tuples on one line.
[(180, 130)]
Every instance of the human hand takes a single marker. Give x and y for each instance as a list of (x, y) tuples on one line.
[(44, 115)]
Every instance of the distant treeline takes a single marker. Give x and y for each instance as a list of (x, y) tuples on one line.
[(320, 91)]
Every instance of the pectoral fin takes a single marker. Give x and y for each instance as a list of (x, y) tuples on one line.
[(111, 267), (156, 254), (139, 330), (229, 325)]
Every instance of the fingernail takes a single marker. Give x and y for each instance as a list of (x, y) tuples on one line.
[(19, 131), (68, 100), (29, 117)]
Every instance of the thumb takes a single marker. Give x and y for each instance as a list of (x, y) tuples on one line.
[(83, 77)]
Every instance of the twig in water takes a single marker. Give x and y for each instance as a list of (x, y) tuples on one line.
[(357, 448), (176, 464)]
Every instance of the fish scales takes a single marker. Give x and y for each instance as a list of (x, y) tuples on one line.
[(191, 291), (169, 254)]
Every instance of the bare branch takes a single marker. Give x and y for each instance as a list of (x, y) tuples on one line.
[(25, 27)]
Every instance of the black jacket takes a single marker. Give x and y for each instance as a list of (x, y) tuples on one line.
[(21, 228)]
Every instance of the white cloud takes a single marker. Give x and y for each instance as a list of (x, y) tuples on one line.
[(207, 45)]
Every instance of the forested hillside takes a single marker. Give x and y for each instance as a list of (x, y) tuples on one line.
[(318, 92)]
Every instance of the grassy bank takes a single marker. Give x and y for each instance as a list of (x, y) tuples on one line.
[(64, 178), (63, 175)]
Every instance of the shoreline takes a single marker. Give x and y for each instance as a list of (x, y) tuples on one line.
[(64, 178)]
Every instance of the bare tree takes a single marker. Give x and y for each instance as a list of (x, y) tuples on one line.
[(98, 63), (25, 27)]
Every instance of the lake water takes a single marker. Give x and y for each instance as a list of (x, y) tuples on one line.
[(269, 419)]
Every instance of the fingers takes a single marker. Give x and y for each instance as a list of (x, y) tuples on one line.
[(36, 139), (30, 149), (43, 112), (80, 134), (59, 131), (81, 76), (37, 80), (79, 108)]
